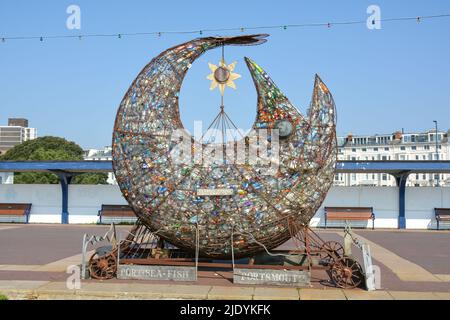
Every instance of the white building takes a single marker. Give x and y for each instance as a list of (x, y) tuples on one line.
[(15, 133), (98, 155), (397, 146), (6, 177)]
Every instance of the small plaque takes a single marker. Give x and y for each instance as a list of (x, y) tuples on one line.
[(141, 272), (215, 192), (293, 278)]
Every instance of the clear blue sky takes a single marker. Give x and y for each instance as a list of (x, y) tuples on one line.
[(382, 80)]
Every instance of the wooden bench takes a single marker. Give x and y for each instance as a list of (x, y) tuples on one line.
[(116, 213), (349, 213), (15, 212), (441, 214)]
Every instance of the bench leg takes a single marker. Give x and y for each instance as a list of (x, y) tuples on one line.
[(325, 221), (437, 223), (373, 223)]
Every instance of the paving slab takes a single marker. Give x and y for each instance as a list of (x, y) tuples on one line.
[(186, 292), (276, 294), (322, 294), (54, 288), (231, 293), (117, 290), (443, 295), (20, 284), (19, 267), (367, 295), (443, 277), (408, 295)]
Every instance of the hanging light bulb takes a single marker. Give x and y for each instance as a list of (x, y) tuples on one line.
[(119, 36), (3, 40), (284, 27), (41, 39), (418, 19)]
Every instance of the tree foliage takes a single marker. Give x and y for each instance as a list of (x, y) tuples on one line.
[(49, 148)]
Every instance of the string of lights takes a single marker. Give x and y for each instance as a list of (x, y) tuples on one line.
[(235, 29)]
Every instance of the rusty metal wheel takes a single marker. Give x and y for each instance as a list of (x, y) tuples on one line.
[(103, 267), (330, 252), (347, 273)]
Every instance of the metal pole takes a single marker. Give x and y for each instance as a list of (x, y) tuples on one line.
[(83, 257), (437, 149)]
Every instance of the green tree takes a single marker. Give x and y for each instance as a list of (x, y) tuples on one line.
[(50, 148)]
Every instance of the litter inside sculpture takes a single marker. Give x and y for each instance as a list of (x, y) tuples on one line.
[(216, 188)]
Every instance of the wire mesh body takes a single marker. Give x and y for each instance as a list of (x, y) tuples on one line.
[(164, 193)]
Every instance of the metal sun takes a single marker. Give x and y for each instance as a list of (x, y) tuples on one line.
[(222, 76)]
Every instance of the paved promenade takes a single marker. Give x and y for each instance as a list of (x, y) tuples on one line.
[(34, 260), (44, 290)]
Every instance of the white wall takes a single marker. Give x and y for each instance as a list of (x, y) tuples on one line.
[(6, 177), (384, 201), (45, 200), (86, 200)]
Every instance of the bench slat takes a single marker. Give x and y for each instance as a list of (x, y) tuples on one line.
[(118, 214)]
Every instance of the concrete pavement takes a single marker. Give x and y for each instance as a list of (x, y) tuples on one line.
[(34, 259), (44, 290)]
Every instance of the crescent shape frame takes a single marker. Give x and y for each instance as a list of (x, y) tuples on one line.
[(164, 193)]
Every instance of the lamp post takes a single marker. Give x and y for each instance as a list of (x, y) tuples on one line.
[(437, 148)]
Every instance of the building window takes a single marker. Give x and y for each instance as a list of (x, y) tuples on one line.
[(386, 149), (384, 177), (413, 148), (402, 148), (353, 149), (375, 149), (417, 157), (426, 147), (364, 149)]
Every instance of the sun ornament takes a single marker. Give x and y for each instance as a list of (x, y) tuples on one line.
[(222, 76)]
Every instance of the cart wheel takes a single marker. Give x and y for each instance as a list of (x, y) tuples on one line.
[(347, 273), (103, 267), (331, 251)]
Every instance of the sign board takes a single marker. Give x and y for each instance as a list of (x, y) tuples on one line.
[(143, 272), (293, 278), (215, 192)]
